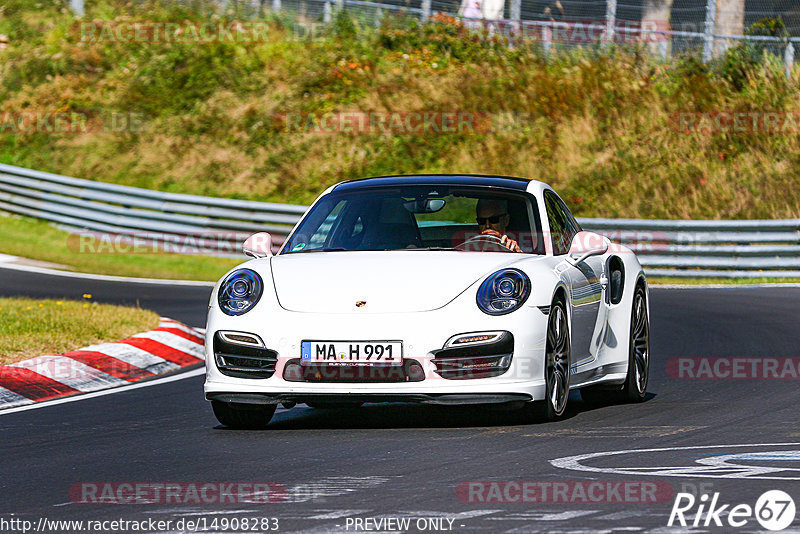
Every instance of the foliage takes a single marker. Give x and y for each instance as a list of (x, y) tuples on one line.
[(598, 123)]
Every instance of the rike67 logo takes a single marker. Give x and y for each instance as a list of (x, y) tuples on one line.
[(774, 510)]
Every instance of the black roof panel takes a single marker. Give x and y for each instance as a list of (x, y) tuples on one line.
[(473, 180)]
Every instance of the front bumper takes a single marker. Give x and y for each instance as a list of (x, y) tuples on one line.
[(446, 399), (423, 335)]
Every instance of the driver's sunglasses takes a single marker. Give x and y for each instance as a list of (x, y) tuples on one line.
[(494, 219)]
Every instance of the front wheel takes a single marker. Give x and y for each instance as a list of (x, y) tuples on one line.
[(244, 416), (556, 367), (635, 386)]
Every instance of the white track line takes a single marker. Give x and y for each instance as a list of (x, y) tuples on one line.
[(121, 389)]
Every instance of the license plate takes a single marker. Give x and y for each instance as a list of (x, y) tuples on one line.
[(365, 353)]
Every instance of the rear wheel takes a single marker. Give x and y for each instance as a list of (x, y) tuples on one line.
[(635, 386), (556, 369), (238, 415)]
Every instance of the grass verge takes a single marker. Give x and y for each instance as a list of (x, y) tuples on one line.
[(38, 240), (31, 327)]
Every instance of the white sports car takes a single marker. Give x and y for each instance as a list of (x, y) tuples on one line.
[(438, 289)]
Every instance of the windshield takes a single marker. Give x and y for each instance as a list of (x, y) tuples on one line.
[(418, 218)]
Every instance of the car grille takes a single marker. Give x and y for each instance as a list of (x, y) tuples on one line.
[(410, 371), (480, 360), (243, 361)]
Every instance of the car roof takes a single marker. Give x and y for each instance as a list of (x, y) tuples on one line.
[(469, 180)]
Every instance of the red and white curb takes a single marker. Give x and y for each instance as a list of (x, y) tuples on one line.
[(169, 347)]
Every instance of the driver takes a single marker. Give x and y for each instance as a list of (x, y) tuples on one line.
[(492, 218)]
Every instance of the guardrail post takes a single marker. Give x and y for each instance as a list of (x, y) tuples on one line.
[(326, 13), (708, 39), (276, 6), (426, 9), (611, 19), (77, 7), (788, 60), (339, 5), (516, 9), (378, 17)]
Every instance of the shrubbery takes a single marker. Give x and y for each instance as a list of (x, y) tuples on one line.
[(597, 123)]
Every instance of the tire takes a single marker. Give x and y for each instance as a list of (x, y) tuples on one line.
[(635, 387), (558, 356), (244, 416), (333, 405)]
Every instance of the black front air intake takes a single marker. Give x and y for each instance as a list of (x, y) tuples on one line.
[(475, 360), (243, 361), (410, 371)]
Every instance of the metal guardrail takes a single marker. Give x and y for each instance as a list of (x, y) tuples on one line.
[(203, 224), (702, 249), (729, 249)]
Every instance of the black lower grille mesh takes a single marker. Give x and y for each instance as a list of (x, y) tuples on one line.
[(243, 361)]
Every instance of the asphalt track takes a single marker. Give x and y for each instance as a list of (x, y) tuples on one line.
[(405, 461)]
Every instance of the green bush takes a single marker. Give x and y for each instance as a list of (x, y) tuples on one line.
[(598, 123)]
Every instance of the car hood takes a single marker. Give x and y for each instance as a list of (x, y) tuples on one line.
[(394, 281)]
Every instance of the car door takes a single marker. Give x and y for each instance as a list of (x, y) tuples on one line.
[(583, 280)]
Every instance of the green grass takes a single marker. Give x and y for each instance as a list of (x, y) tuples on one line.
[(39, 240), (31, 327), (596, 123)]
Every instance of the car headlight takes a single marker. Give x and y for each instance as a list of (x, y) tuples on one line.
[(240, 291), (503, 292)]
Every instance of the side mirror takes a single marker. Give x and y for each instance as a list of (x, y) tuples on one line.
[(586, 244), (258, 245)]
